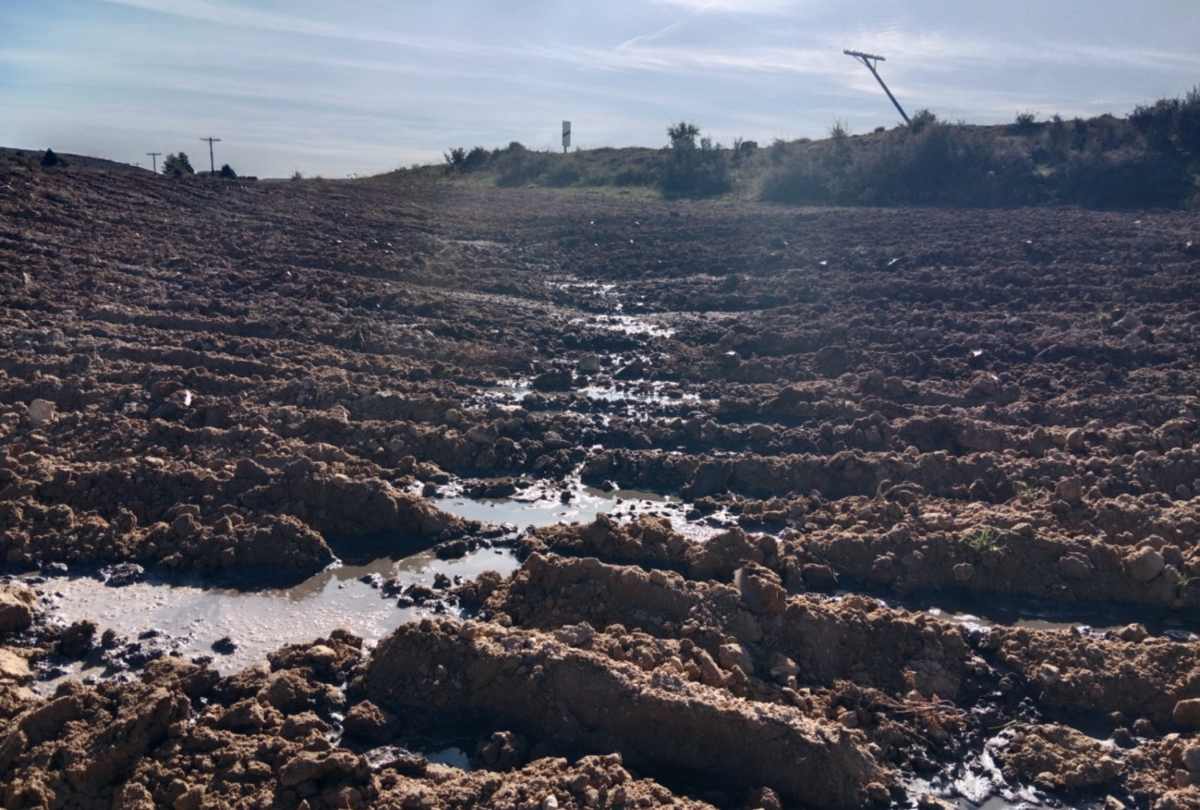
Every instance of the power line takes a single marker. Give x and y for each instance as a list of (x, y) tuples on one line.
[(212, 166), (870, 60), (154, 159)]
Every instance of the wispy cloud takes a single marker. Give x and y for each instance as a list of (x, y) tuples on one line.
[(303, 81), (738, 6)]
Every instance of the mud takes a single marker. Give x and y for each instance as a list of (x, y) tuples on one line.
[(586, 500)]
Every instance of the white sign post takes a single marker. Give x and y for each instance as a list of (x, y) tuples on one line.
[(566, 136)]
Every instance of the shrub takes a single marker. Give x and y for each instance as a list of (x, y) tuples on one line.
[(1157, 122), (520, 167), (942, 164), (51, 159), (476, 159), (228, 173), (297, 176), (177, 165), (1025, 123), (637, 176), (920, 120), (804, 180), (562, 174), (1079, 134), (1058, 139), (1153, 180), (1188, 122), (455, 158), (691, 170)]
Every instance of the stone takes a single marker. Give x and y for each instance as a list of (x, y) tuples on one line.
[(1075, 440), (314, 765), (1075, 566), (820, 577), (1133, 632), (16, 609), (761, 589), (964, 572), (41, 412), (1187, 714), (13, 668), (1191, 759), (1069, 490), (735, 655), (1145, 564)]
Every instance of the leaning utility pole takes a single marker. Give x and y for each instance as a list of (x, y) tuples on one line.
[(870, 59), (212, 166), (154, 159)]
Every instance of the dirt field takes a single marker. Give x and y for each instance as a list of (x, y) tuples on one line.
[(877, 508)]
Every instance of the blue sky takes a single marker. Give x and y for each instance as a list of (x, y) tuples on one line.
[(359, 87)]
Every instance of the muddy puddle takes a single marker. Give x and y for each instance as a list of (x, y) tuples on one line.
[(631, 392), (979, 784), (975, 614), (188, 616), (638, 325), (542, 505)]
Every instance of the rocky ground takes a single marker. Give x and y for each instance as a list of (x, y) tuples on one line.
[(858, 414)]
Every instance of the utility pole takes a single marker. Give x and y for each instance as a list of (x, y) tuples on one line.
[(870, 60), (212, 166), (154, 159)]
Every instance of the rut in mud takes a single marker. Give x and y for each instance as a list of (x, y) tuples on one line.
[(871, 508)]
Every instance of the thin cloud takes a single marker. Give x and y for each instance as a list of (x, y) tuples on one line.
[(733, 6)]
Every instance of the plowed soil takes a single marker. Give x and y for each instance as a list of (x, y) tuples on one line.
[(917, 519)]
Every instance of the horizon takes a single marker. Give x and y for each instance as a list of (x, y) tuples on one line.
[(299, 87)]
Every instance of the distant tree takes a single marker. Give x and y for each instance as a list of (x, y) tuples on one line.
[(476, 159), (1058, 138), (50, 159), (297, 176), (1025, 123), (177, 165), (455, 158), (228, 173), (691, 170), (683, 135), (921, 119)]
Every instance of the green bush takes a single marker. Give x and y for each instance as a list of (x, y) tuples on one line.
[(1097, 180), (562, 174), (50, 159), (692, 170), (177, 165), (940, 164), (520, 167), (1025, 123), (228, 173), (476, 159), (921, 119)]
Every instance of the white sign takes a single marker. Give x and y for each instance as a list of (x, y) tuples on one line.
[(566, 135)]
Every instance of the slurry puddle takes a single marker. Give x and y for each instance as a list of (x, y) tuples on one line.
[(647, 392), (655, 393), (641, 325), (979, 784), (188, 616), (542, 506), (980, 612)]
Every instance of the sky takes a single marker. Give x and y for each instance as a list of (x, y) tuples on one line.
[(341, 88)]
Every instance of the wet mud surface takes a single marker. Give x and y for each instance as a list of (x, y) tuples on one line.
[(370, 494)]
